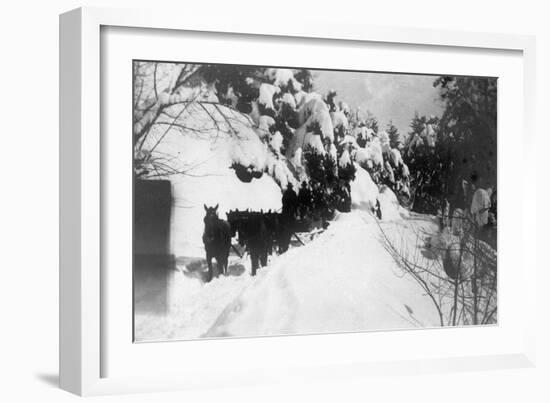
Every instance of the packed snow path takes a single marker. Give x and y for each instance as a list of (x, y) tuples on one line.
[(342, 281)]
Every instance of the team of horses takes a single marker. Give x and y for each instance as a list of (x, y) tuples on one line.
[(259, 232)]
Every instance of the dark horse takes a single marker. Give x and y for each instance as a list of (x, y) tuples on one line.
[(280, 229), (253, 232), (217, 240)]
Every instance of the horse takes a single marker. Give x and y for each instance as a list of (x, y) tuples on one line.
[(256, 235), (216, 239), (252, 231), (279, 228)]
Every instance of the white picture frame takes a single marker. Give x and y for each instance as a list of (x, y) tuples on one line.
[(82, 172)]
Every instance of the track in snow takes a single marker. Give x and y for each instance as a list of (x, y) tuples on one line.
[(342, 281)]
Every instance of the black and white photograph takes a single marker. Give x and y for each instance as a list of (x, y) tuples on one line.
[(277, 200)]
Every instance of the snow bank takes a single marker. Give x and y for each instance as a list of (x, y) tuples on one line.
[(364, 191), (389, 205), (355, 287)]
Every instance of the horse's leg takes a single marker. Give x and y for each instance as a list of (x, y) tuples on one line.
[(281, 242), (226, 255), (222, 264), (254, 260), (226, 263), (286, 240), (217, 266), (263, 260), (263, 257), (209, 263)]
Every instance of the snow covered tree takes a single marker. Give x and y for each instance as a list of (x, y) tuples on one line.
[(305, 78), (371, 122), (393, 133), (331, 100), (418, 123), (469, 127), (235, 85), (429, 163), (315, 163)]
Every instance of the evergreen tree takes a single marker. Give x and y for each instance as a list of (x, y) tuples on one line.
[(371, 122), (468, 130), (304, 77), (465, 148), (393, 133), (429, 164), (242, 80), (417, 125)]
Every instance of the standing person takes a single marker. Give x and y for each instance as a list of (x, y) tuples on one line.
[(319, 199), (304, 200), (290, 201)]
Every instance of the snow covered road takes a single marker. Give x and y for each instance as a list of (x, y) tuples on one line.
[(342, 281)]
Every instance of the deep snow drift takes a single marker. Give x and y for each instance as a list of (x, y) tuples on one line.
[(343, 280), (206, 157)]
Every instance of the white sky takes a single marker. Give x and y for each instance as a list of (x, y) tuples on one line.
[(393, 97)]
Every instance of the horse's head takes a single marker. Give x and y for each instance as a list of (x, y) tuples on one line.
[(210, 220), (211, 212)]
